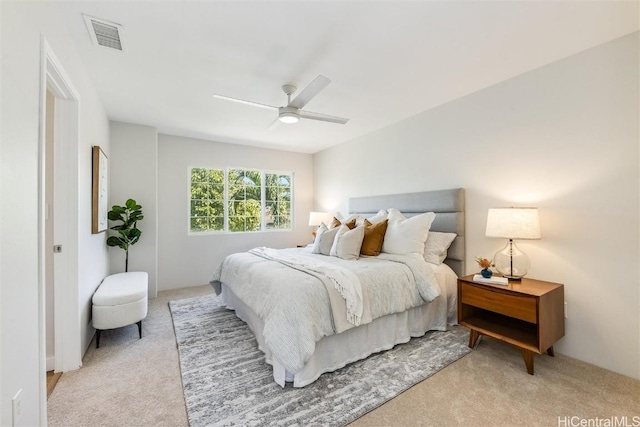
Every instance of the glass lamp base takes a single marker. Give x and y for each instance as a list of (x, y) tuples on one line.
[(511, 262)]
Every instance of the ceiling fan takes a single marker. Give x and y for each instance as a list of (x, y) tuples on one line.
[(292, 112)]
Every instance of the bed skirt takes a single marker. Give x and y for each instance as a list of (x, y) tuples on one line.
[(335, 351)]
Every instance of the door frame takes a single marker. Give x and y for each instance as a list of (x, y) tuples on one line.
[(68, 355)]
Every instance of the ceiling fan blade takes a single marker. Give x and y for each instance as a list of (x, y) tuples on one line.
[(242, 101), (309, 92), (322, 117)]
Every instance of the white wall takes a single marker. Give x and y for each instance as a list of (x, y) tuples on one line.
[(185, 260), (564, 138), (133, 175), (22, 25)]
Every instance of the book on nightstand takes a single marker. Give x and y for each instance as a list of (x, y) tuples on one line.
[(492, 280)]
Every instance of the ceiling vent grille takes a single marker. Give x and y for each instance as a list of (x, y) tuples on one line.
[(105, 33)]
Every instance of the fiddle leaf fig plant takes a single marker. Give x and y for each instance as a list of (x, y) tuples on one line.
[(128, 217)]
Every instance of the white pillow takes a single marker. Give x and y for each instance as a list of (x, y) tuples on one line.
[(347, 243), (341, 230), (435, 249), (326, 241), (405, 236), (316, 241), (379, 217), (395, 215)]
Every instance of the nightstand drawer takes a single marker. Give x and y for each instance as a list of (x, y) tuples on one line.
[(519, 307)]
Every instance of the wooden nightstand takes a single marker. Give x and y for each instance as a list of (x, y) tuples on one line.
[(528, 314)]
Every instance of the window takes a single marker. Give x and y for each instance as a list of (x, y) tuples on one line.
[(239, 200)]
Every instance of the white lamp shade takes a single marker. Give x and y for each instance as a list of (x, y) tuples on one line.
[(317, 218), (513, 223)]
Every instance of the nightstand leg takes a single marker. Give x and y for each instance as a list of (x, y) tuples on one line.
[(550, 352), (528, 360), (473, 338)]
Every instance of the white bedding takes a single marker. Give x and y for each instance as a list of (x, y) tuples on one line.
[(335, 351), (293, 307)]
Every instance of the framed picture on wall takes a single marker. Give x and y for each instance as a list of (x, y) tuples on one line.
[(99, 206)]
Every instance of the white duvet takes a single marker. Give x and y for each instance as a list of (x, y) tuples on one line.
[(297, 304)]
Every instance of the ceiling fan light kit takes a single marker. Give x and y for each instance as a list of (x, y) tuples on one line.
[(292, 112), (288, 115)]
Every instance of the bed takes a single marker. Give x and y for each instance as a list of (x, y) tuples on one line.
[(304, 345)]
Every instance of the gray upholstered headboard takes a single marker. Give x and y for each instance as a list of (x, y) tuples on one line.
[(448, 206)]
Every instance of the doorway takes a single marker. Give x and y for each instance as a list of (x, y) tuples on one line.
[(59, 328)]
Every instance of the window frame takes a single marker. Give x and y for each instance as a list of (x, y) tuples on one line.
[(263, 201)]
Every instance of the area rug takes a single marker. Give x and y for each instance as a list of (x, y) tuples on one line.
[(226, 380)]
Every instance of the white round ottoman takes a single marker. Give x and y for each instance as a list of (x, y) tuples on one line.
[(120, 300)]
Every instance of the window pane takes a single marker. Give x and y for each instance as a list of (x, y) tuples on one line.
[(199, 208), (283, 223), (284, 211), (216, 176), (284, 181), (236, 223), (199, 191), (199, 224), (198, 175), (252, 178), (216, 223)]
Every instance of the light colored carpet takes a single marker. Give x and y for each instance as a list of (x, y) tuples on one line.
[(227, 381), (131, 382), (127, 381)]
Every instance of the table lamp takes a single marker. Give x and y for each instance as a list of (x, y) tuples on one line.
[(513, 223), (317, 218)]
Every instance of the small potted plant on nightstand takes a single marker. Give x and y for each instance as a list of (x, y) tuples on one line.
[(485, 265)]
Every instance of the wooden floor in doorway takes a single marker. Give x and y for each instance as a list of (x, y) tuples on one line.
[(52, 380)]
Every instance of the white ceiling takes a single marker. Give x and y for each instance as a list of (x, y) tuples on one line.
[(387, 60)]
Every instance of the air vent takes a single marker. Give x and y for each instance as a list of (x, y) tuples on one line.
[(105, 33)]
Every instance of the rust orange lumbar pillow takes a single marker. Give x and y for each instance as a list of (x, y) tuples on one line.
[(373, 237)]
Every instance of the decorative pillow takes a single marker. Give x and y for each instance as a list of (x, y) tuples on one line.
[(435, 249), (395, 215), (341, 230), (316, 241), (405, 236), (346, 244), (325, 241), (379, 217), (373, 237), (349, 222)]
